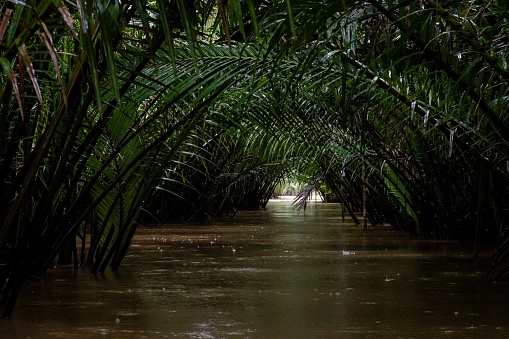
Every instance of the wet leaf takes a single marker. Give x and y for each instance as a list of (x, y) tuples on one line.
[(88, 46), (83, 19), (252, 13), (163, 15), (66, 15), (6, 66), (4, 23), (451, 141), (48, 41), (290, 17), (21, 3), (187, 17), (225, 22), (13, 25), (109, 50), (142, 11), (238, 14), (31, 71)]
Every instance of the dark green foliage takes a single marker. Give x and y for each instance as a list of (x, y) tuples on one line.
[(117, 113)]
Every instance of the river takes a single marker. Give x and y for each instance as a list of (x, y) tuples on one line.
[(272, 273)]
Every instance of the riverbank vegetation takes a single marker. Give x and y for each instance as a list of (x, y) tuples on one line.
[(116, 113)]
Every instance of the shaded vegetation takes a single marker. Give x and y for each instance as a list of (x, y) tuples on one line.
[(120, 112)]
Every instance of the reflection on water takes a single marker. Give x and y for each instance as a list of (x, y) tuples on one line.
[(270, 274)]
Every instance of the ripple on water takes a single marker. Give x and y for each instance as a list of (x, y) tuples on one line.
[(292, 276), (245, 269)]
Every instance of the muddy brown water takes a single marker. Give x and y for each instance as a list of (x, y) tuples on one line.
[(270, 274)]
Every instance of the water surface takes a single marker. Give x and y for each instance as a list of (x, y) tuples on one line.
[(270, 274)]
